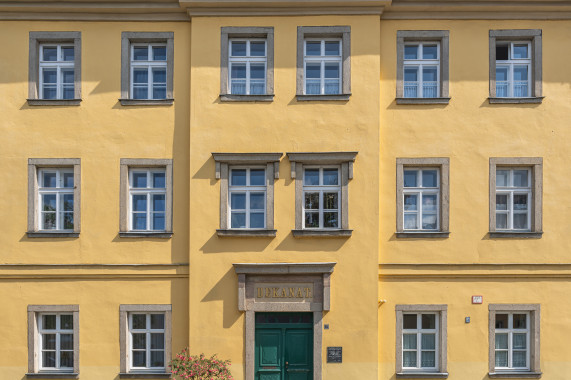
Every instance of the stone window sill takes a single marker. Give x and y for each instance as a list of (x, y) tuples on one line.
[(146, 102), (54, 375), (422, 235), (54, 102), (246, 98), (49, 234), (322, 233), (143, 234), (532, 100), (246, 233), (338, 97), (423, 100), (144, 375), (422, 375), (515, 375), (515, 235)]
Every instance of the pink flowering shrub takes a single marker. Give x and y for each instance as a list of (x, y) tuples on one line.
[(198, 367)]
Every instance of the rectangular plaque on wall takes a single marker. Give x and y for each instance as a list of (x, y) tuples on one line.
[(334, 354)]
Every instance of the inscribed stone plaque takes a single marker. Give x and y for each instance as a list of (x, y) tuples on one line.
[(284, 292), (334, 354)]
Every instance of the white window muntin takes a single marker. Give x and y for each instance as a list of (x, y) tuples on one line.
[(322, 189), (510, 191), (247, 190), (247, 60), (322, 60), (151, 65), (511, 88), (419, 331), (64, 89), (419, 87), (510, 331), (58, 349), (63, 195), (148, 331), (149, 192), (420, 191)]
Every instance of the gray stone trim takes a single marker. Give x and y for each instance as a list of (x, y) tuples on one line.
[(49, 234), (515, 375), (125, 165), (36, 38), (246, 98), (54, 102), (135, 375), (146, 102), (442, 36), (536, 166), (283, 268), (533, 100), (228, 32), (535, 323), (444, 164), (124, 311), (516, 235), (533, 35), (321, 233), (222, 163), (33, 359), (442, 311), (233, 11), (33, 220), (319, 98), (317, 344), (344, 32), (423, 100), (422, 375), (246, 233), (422, 235), (49, 375), (130, 37)]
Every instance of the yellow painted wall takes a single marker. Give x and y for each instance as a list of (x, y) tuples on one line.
[(285, 125), (469, 131)]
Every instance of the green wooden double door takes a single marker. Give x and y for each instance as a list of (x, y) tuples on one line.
[(284, 346)]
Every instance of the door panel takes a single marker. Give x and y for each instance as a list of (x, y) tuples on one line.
[(269, 354), (299, 354)]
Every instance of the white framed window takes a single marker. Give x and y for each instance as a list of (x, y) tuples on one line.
[(420, 333), (147, 341), (147, 199), (321, 197), (421, 199), (56, 189), (55, 337), (247, 197), (322, 64), (57, 71), (247, 61), (512, 334), (421, 69), (513, 198), (148, 70), (513, 69)]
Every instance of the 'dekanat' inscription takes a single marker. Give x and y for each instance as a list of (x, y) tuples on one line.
[(284, 292)]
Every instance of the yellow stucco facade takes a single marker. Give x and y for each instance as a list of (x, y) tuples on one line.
[(365, 271)]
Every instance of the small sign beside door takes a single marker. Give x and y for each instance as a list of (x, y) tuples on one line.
[(334, 354)]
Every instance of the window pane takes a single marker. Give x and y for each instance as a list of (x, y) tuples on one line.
[(139, 221), (141, 92), (429, 178), (312, 201), (409, 321), (68, 221), (238, 177), (430, 52), (519, 359), (330, 219), (429, 221), (238, 71), (313, 48), (501, 221), (429, 202), (49, 201), (313, 71), (139, 321), (330, 177), (428, 359), (501, 321), (502, 52), (410, 177), (158, 221), (238, 86), (257, 49), (409, 341), (332, 48), (257, 71), (139, 180), (140, 76), (313, 86), (257, 201), (68, 180), (330, 201), (50, 76), (49, 179), (520, 321), (159, 53), (428, 322), (501, 358), (49, 359), (520, 178), (411, 52), (67, 76), (66, 341), (157, 358), (140, 202), (520, 341), (66, 359), (411, 202), (520, 51), (520, 73), (501, 341), (409, 359), (257, 177), (520, 201), (159, 75), (238, 48), (411, 74), (410, 222), (157, 341), (139, 341), (238, 201), (49, 341), (430, 82), (140, 53), (49, 93), (312, 220), (68, 202), (502, 178), (50, 53), (501, 201), (139, 359), (66, 322), (238, 220), (520, 221), (159, 180), (332, 70), (257, 220), (311, 177), (428, 342), (332, 86), (158, 202)]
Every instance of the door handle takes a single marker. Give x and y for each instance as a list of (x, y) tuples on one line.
[(286, 364)]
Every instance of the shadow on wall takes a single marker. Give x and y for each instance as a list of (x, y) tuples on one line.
[(229, 299)]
